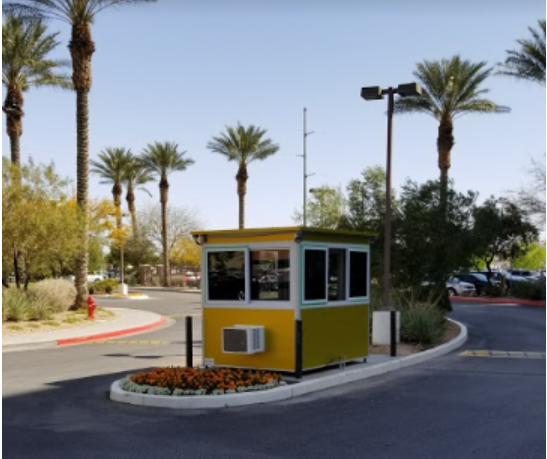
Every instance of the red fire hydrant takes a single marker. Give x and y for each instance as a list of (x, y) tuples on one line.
[(91, 306)]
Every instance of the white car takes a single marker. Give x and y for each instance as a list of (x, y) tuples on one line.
[(91, 277), (456, 287)]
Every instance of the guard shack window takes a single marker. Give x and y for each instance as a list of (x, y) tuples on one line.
[(226, 275), (270, 276), (315, 275), (358, 277)]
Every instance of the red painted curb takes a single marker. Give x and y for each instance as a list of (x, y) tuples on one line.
[(127, 331), (465, 299)]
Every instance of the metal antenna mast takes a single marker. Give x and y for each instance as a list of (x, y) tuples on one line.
[(306, 133)]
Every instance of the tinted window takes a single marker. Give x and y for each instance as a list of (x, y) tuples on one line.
[(315, 262), (226, 275), (337, 274), (270, 277), (358, 277)]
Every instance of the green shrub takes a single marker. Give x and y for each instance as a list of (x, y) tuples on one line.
[(493, 291), (422, 323), (131, 279), (105, 286), (529, 290), (38, 309), (58, 293), (14, 305)]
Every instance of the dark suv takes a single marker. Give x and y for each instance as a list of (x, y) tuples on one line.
[(479, 280)]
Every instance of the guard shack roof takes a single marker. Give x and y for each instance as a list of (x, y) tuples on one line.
[(291, 233)]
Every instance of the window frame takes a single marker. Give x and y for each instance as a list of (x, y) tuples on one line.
[(246, 257), (348, 274), (348, 301), (315, 302), (277, 303)]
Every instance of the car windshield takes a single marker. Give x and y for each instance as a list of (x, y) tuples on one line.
[(481, 277)]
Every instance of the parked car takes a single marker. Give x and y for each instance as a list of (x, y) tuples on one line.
[(456, 287), (479, 280), (91, 277), (193, 280)]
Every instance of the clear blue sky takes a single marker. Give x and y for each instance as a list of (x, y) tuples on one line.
[(182, 70)]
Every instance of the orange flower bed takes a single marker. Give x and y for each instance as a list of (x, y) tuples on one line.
[(206, 381)]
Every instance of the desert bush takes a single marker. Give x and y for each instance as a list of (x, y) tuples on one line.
[(422, 323), (529, 290), (105, 286), (14, 305), (177, 280), (39, 309), (58, 293), (131, 279)]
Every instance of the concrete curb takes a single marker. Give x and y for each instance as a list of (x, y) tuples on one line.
[(117, 394), (165, 289), (517, 301), (30, 346), (112, 297), (112, 334)]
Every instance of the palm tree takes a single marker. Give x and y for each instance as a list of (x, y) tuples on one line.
[(528, 62), (112, 167), (25, 47), (162, 159), (136, 175), (243, 145), (80, 14), (451, 88)]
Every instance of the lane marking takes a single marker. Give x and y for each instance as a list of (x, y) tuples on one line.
[(504, 354), (140, 343), (178, 316)]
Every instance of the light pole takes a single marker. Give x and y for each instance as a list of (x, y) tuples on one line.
[(304, 155), (376, 93)]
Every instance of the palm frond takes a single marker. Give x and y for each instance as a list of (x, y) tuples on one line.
[(164, 158), (243, 144), (70, 11), (528, 62), (25, 46), (450, 87), (112, 164)]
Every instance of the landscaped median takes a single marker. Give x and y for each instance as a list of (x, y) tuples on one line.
[(152, 388), (500, 300)]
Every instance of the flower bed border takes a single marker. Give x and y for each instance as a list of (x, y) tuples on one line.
[(197, 402)]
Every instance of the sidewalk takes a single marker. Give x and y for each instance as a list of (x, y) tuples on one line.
[(502, 300), (166, 289), (129, 321)]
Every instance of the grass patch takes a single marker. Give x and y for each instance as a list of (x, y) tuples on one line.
[(72, 320), (106, 312), (15, 327), (33, 325), (52, 323)]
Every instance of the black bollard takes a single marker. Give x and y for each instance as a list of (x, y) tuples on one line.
[(298, 356), (189, 343), (393, 323)]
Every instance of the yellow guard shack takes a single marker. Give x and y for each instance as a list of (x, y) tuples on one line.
[(286, 299)]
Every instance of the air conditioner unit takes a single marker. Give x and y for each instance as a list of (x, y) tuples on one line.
[(243, 339)]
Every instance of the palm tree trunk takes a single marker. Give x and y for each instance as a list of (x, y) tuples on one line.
[(117, 195), (164, 191), (445, 142), (242, 178), (81, 48), (15, 148), (130, 198), (14, 125), (82, 174)]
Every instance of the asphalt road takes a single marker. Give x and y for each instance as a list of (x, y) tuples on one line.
[(55, 404)]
